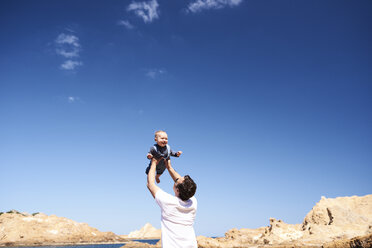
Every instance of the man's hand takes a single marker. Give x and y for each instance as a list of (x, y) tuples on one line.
[(179, 153)]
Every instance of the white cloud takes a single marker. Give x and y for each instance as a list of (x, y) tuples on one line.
[(71, 65), (68, 46), (154, 73), (148, 11), (126, 24), (200, 5), (70, 30), (68, 39), (73, 99), (68, 53)]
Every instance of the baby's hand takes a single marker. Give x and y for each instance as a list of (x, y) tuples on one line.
[(149, 156), (179, 153)]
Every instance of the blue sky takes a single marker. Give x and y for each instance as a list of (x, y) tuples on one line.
[(270, 102)]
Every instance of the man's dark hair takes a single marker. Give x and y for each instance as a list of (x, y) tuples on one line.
[(186, 189)]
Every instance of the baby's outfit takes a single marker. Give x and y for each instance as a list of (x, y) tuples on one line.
[(160, 152)]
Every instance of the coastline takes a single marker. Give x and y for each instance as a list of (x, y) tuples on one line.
[(14, 244), (62, 244), (330, 221)]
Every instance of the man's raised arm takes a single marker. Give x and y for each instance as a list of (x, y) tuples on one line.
[(171, 171), (151, 178)]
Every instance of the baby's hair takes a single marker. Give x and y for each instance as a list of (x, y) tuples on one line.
[(157, 132)]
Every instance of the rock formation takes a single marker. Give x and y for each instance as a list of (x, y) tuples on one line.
[(19, 229), (342, 217), (146, 232), (329, 220)]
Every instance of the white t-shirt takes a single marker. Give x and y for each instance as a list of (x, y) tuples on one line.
[(177, 220)]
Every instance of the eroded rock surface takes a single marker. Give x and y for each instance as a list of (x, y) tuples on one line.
[(339, 218)]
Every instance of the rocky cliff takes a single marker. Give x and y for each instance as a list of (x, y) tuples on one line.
[(330, 219), (342, 217), (18, 229)]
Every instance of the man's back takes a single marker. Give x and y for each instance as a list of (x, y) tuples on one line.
[(177, 219)]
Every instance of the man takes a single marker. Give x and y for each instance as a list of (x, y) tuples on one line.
[(178, 211)]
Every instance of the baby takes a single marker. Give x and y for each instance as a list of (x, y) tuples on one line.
[(161, 150)]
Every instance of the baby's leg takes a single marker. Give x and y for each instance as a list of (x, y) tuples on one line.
[(157, 177)]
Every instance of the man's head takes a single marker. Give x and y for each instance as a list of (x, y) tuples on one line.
[(184, 187), (161, 138)]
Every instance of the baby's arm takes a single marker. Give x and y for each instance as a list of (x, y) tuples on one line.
[(175, 154), (151, 153)]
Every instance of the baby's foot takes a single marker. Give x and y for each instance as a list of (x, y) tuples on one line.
[(157, 178)]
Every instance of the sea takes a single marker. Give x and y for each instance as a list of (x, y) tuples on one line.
[(149, 241)]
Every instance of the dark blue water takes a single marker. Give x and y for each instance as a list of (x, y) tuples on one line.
[(149, 241)]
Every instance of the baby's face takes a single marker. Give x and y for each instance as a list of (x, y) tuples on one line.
[(161, 139)]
